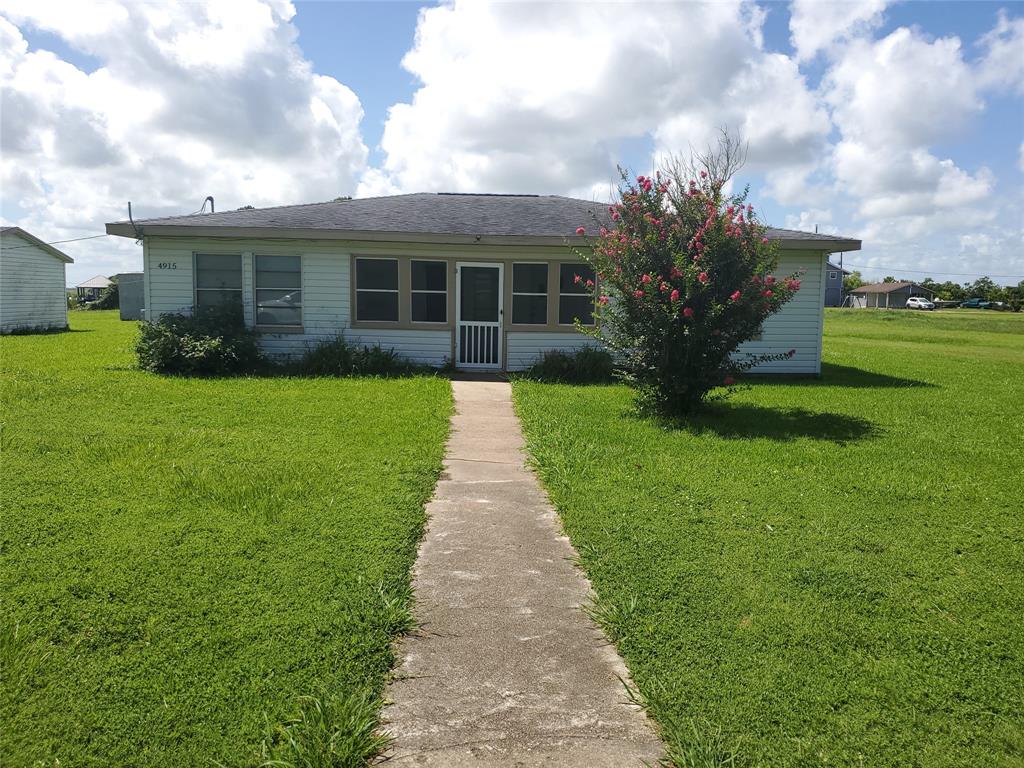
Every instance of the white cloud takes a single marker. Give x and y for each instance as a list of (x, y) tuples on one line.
[(816, 24), (812, 220), (188, 100), (537, 97), (1003, 63)]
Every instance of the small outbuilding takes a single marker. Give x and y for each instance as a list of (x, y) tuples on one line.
[(32, 292), (130, 295), (91, 289), (887, 295)]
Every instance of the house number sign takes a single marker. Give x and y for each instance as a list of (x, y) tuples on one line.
[(167, 265)]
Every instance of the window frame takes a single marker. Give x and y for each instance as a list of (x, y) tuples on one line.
[(195, 278), (414, 291), (397, 291), (592, 294), (833, 275), (546, 294), (276, 328)]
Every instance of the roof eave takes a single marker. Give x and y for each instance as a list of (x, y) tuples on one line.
[(55, 252)]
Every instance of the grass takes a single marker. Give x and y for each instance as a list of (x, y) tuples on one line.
[(201, 571), (818, 572)]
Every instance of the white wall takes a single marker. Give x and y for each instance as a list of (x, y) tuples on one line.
[(799, 324), (327, 312), (32, 288)]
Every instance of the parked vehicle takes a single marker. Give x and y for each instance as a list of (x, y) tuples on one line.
[(1002, 306), (974, 303), (919, 302)]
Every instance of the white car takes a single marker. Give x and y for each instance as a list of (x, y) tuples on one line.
[(919, 302)]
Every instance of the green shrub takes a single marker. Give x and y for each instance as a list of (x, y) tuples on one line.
[(214, 342), (339, 358), (587, 365), (110, 298)]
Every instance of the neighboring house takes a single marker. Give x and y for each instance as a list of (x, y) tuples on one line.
[(834, 284), (130, 294), (887, 295), (485, 281), (91, 289), (32, 292)]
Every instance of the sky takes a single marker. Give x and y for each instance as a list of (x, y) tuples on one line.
[(901, 124)]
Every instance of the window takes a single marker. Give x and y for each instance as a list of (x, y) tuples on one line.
[(279, 291), (575, 299), (530, 294), (218, 280), (377, 290), (833, 275), (429, 291)]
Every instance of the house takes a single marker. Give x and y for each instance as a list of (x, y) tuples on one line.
[(887, 295), (129, 294), (32, 293), (483, 280), (91, 289), (834, 284)]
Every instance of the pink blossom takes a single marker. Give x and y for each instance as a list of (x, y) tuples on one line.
[(728, 381), (674, 296), (589, 284), (766, 293), (615, 216), (602, 300), (687, 312), (580, 230), (703, 174), (764, 241), (735, 296), (645, 279), (603, 231), (703, 277), (794, 285), (770, 280), (638, 294), (577, 279)]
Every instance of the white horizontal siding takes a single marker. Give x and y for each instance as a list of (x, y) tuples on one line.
[(426, 347), (798, 325), (525, 349), (32, 286)]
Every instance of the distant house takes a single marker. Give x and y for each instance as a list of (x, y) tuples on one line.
[(32, 294), (887, 295), (834, 284), (91, 289), (130, 294), (484, 282)]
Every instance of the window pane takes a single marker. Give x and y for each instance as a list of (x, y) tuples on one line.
[(429, 276), (266, 298), (529, 278), (215, 270), (377, 273), (570, 307), (567, 278), (279, 315), (206, 299), (371, 305), (278, 272), (479, 301), (530, 310), (429, 307)]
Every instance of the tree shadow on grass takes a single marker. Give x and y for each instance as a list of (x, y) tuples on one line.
[(748, 422), (833, 375)]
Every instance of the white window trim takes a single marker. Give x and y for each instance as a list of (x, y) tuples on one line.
[(414, 291), (833, 275), (523, 293), (356, 289), (592, 294), (195, 277), (256, 289)]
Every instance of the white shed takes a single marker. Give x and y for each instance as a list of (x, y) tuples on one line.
[(483, 281), (32, 287)]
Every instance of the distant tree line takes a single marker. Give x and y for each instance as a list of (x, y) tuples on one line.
[(983, 288)]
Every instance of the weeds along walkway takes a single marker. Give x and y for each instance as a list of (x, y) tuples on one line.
[(506, 670)]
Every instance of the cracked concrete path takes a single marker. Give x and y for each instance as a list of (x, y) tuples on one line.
[(506, 670)]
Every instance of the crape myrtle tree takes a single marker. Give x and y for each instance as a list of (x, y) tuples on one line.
[(685, 274)]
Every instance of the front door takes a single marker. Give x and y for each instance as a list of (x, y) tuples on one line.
[(478, 312)]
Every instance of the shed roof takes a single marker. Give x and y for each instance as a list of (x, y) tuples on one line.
[(46, 247), (890, 287), (95, 282), (431, 217)]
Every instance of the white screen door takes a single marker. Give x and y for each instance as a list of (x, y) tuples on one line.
[(478, 311)]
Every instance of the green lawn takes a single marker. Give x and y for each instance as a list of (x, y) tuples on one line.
[(183, 559), (828, 572)]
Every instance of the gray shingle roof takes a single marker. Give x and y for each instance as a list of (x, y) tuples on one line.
[(889, 287), (466, 215)]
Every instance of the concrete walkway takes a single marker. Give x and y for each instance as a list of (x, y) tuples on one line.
[(505, 670)]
